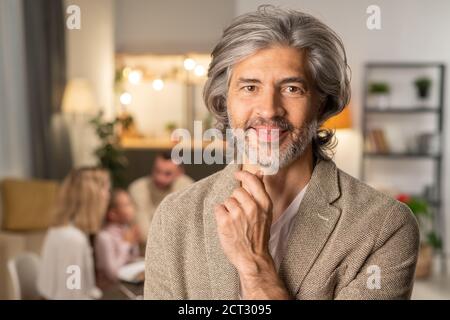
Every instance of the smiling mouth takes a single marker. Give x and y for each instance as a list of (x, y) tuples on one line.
[(269, 133)]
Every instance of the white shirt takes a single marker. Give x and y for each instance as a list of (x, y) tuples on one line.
[(280, 229), (66, 256)]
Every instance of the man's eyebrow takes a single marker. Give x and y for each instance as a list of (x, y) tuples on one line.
[(293, 79), (248, 80), (280, 82)]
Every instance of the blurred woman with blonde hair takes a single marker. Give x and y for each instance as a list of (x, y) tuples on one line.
[(67, 268)]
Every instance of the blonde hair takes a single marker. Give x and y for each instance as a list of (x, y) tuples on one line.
[(80, 201)]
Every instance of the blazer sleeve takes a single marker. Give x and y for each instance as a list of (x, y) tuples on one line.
[(157, 284), (388, 272)]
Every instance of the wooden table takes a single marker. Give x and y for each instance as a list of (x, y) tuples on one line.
[(123, 291)]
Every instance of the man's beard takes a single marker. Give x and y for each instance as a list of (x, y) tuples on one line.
[(280, 154), (302, 138)]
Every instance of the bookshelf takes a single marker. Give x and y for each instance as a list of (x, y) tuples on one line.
[(403, 110), (377, 149), (398, 155)]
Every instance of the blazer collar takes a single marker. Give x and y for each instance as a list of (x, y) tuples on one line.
[(311, 228)]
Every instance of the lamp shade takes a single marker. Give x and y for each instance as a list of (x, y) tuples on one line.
[(78, 98), (342, 120)]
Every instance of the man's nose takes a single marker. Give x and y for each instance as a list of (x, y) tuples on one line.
[(270, 105)]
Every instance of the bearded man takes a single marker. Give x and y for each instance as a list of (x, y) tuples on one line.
[(305, 231)]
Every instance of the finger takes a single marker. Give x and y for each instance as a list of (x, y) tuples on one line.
[(221, 213), (260, 175), (245, 199), (254, 186), (233, 206), (220, 210)]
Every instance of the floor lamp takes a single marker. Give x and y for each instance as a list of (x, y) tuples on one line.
[(79, 106)]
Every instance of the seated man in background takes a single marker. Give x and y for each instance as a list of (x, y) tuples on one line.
[(117, 242), (147, 192)]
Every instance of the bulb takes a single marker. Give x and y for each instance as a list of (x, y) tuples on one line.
[(189, 64), (158, 84), (125, 98), (135, 76), (126, 71), (199, 71)]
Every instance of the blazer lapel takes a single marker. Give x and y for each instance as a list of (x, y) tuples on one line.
[(224, 278), (312, 225)]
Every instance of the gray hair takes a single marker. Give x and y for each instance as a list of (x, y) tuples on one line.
[(268, 26)]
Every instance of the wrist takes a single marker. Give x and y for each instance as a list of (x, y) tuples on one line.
[(259, 280), (257, 267)]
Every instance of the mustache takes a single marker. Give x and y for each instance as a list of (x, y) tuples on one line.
[(278, 121)]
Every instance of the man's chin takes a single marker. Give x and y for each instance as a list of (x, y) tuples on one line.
[(266, 160)]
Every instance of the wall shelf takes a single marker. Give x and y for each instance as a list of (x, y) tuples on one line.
[(394, 155), (400, 112)]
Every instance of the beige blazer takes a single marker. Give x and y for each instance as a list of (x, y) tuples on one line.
[(348, 241)]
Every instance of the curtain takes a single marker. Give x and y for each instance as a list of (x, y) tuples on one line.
[(44, 27), (14, 135)]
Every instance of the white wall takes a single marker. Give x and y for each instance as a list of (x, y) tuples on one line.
[(170, 26), (90, 55), (412, 30), (90, 51)]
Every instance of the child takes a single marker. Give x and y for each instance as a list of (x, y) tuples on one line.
[(117, 242)]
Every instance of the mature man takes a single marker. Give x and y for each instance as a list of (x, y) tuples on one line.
[(148, 192), (310, 231)]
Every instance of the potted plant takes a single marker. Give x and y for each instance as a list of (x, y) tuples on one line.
[(379, 93), (430, 241), (110, 155), (423, 85)]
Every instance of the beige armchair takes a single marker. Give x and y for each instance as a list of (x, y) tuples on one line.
[(26, 214)]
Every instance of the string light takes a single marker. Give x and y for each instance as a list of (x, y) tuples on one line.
[(125, 98), (135, 76), (199, 71), (189, 64), (158, 84)]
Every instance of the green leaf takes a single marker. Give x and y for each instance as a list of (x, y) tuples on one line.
[(434, 240)]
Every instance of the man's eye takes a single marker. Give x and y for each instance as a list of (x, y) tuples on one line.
[(249, 88), (293, 89)]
